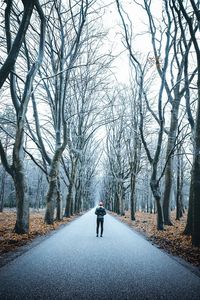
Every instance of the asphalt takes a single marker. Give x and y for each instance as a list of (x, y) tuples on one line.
[(75, 264)]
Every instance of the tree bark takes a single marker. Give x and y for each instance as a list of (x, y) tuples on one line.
[(169, 158), (2, 190), (196, 176), (188, 227), (157, 196), (58, 202), (179, 202), (69, 200), (22, 198), (133, 196), (16, 46), (51, 196)]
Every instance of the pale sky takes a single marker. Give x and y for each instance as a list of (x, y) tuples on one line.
[(141, 42)]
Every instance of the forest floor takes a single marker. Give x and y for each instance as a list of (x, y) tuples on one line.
[(10, 241), (172, 239)]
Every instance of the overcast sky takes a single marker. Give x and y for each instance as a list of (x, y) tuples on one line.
[(139, 21)]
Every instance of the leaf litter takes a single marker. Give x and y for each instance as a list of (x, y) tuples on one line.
[(171, 239), (10, 241)]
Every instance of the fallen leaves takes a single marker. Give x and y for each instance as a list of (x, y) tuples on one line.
[(171, 239), (9, 240)]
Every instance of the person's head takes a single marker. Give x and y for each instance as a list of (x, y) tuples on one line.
[(100, 203)]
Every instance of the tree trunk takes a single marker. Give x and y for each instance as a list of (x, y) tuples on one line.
[(133, 185), (2, 190), (51, 196), (79, 203), (179, 203), (188, 227), (50, 200), (117, 204), (22, 202), (67, 213), (157, 196), (179, 213), (59, 207), (19, 38), (167, 193), (196, 174), (78, 199), (58, 202), (76, 202), (151, 204), (133, 196), (169, 157), (37, 197), (121, 199)]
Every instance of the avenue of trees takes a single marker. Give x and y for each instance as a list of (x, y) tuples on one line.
[(52, 77), (71, 134), (154, 137)]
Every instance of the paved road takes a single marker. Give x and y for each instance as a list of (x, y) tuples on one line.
[(75, 264)]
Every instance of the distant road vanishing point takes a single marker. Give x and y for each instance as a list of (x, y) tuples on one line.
[(74, 264)]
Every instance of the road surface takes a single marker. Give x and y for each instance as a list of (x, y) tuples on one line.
[(74, 264)]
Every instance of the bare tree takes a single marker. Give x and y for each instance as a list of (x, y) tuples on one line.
[(66, 60), (117, 150), (14, 48), (195, 178), (134, 148), (181, 48), (140, 71), (16, 170)]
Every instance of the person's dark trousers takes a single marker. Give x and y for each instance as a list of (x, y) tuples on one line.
[(99, 222)]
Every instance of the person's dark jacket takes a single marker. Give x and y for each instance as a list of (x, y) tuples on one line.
[(100, 212)]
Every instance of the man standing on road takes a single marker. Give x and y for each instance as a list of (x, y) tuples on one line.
[(100, 212)]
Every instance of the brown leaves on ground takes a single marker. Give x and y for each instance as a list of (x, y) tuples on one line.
[(9, 240), (171, 239)]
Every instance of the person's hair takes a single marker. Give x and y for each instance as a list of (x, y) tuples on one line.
[(101, 203)]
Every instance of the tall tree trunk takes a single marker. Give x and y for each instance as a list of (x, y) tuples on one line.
[(194, 208), (67, 213), (69, 200), (196, 173), (134, 166), (58, 202), (59, 207), (51, 196), (50, 201), (179, 203), (19, 38), (120, 199), (3, 178), (167, 193), (22, 201), (188, 227), (133, 196), (169, 157), (117, 203), (76, 202), (80, 204), (157, 196), (78, 199), (151, 204)]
